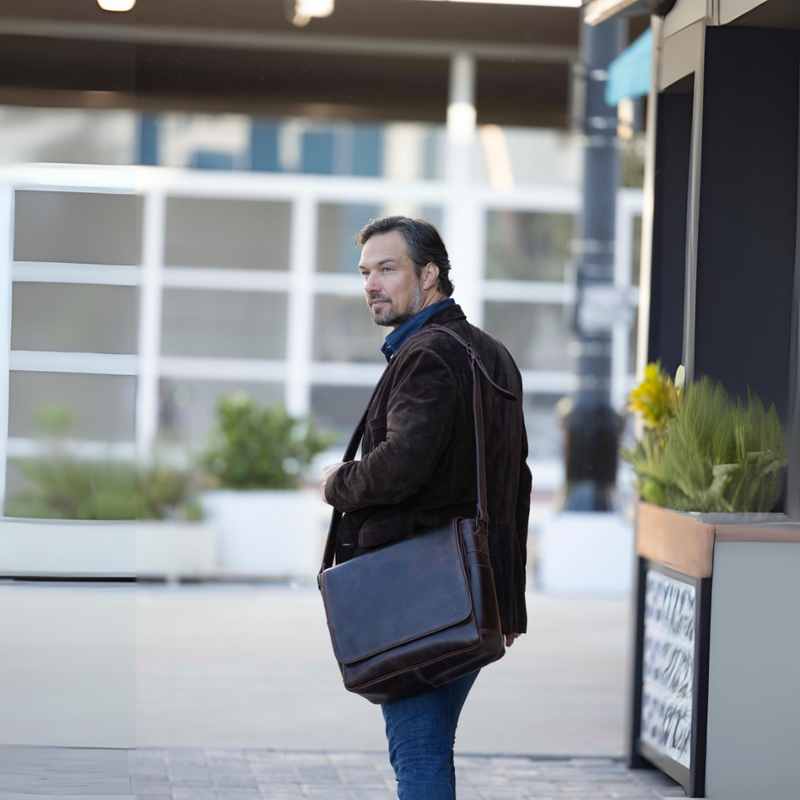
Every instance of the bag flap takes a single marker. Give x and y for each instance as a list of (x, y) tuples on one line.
[(399, 593)]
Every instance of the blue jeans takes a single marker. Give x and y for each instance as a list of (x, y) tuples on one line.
[(421, 731)]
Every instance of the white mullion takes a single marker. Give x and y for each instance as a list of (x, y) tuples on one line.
[(225, 280), (223, 369), (300, 317), (620, 333), (6, 257), (528, 291), (103, 275), (79, 363), (153, 232)]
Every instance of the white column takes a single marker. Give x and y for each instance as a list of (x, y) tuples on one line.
[(299, 340), (463, 223), (6, 259), (620, 334), (154, 225)]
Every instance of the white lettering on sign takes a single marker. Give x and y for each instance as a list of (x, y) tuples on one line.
[(668, 666)]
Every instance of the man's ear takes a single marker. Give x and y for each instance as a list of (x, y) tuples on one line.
[(430, 275)]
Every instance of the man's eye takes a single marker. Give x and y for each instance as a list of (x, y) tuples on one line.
[(387, 269)]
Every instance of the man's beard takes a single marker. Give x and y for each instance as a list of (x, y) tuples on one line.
[(388, 316)]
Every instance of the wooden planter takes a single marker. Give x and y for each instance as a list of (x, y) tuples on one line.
[(714, 698)]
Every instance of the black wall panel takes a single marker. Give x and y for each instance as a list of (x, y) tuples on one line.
[(673, 144), (748, 211)]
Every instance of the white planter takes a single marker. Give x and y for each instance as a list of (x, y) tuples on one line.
[(585, 553), (268, 533), (176, 549)]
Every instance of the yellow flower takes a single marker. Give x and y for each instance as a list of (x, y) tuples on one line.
[(656, 398)]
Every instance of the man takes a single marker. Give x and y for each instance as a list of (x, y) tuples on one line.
[(417, 466)]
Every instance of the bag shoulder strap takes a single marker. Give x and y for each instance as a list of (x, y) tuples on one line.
[(477, 408)]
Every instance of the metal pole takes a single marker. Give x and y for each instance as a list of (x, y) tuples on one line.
[(592, 426)]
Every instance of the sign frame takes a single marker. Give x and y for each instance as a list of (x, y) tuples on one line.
[(641, 754)]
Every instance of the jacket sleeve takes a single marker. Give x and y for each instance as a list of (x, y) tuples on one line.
[(419, 424)]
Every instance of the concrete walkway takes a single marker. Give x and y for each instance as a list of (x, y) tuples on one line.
[(271, 775), (252, 667)]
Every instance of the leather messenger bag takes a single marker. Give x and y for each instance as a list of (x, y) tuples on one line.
[(420, 612)]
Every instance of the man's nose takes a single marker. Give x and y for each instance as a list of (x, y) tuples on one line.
[(372, 284)]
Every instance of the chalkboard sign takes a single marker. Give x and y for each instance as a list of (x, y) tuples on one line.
[(670, 678), (668, 666)]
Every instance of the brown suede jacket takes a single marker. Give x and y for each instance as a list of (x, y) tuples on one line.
[(417, 465)]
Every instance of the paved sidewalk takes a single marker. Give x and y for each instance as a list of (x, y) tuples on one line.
[(194, 774)]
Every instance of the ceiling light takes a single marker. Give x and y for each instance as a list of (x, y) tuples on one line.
[(304, 10), (557, 3), (116, 5)]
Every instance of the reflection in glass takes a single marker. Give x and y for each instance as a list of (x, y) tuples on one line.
[(227, 234), (339, 408), (77, 227), (542, 424), (187, 407), (340, 222), (525, 246), (636, 251), (104, 405), (535, 334), (220, 324), (82, 318), (343, 331)]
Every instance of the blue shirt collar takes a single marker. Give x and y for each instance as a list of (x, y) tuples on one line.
[(396, 339)]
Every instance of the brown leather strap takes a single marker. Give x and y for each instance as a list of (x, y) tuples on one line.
[(477, 408)]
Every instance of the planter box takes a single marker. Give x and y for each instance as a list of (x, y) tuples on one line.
[(714, 697), (176, 549), (270, 533)]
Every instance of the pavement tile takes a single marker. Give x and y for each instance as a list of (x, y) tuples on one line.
[(193, 793), (359, 776), (324, 793), (199, 778), (237, 795), (354, 759), (149, 780), (236, 781), (266, 773), (308, 758), (229, 766), (155, 793), (318, 774), (287, 788), (368, 793), (184, 754)]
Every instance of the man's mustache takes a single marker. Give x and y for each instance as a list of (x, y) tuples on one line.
[(383, 297)]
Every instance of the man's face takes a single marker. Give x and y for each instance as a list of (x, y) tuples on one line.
[(392, 289)]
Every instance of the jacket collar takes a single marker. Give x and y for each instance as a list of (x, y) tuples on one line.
[(445, 315)]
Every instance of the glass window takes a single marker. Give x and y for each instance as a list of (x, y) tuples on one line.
[(80, 318), (336, 232), (77, 227), (338, 225), (339, 408), (524, 246), (636, 251), (343, 331), (187, 409), (534, 333), (633, 343), (235, 234), (104, 405), (543, 425), (223, 324)]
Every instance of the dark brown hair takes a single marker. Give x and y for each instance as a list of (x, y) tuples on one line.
[(423, 245)]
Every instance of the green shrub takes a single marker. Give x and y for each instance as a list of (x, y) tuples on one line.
[(68, 488), (715, 455), (260, 447)]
